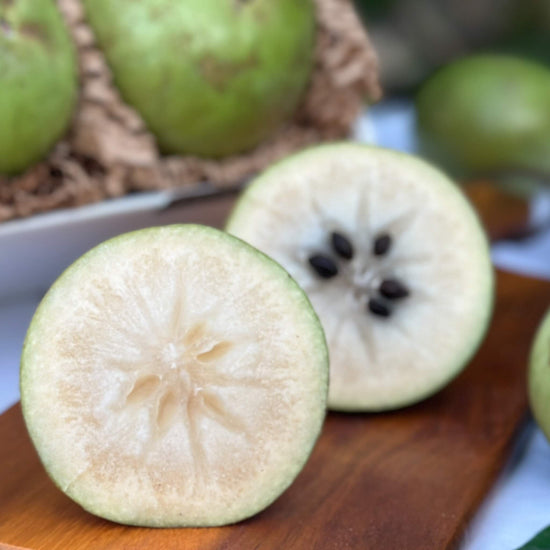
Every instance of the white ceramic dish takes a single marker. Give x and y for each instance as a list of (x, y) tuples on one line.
[(35, 250)]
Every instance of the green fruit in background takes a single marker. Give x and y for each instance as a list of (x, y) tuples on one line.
[(38, 82), (539, 376), (487, 114), (209, 77)]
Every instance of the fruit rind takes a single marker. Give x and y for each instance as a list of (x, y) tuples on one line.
[(40, 401)]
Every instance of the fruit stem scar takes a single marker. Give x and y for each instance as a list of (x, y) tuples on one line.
[(34, 32), (5, 27)]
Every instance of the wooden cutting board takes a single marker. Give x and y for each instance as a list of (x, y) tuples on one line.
[(409, 479)]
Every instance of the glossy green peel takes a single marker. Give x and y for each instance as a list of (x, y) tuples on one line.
[(38, 82), (209, 77)]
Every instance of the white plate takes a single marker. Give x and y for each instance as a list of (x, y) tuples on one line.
[(34, 251)]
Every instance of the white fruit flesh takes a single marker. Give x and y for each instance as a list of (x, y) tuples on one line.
[(438, 250), (174, 376)]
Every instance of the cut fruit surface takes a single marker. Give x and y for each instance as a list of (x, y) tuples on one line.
[(174, 376), (393, 259)]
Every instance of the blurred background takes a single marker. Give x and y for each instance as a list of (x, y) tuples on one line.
[(466, 84), (413, 38)]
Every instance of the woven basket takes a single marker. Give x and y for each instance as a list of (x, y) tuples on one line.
[(108, 151)]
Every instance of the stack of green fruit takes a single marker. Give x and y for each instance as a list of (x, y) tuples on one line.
[(209, 78)]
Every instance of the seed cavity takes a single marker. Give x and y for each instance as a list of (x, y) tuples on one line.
[(373, 284), (378, 307), (168, 407), (382, 244), (393, 289), (195, 334), (217, 351), (341, 245), (143, 389), (324, 266), (214, 407)]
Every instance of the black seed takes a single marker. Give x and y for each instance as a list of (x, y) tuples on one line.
[(393, 289), (382, 244), (324, 266), (379, 308), (341, 245)]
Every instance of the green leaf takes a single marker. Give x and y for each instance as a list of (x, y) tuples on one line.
[(541, 541)]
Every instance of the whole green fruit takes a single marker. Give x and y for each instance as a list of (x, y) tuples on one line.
[(38, 81), (486, 114), (209, 77), (539, 376)]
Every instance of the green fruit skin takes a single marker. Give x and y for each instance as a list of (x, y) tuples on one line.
[(38, 82), (209, 77), (539, 376), (487, 113)]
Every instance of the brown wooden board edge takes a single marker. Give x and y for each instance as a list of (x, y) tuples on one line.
[(531, 297)]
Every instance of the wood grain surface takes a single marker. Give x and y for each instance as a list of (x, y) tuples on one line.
[(409, 479)]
